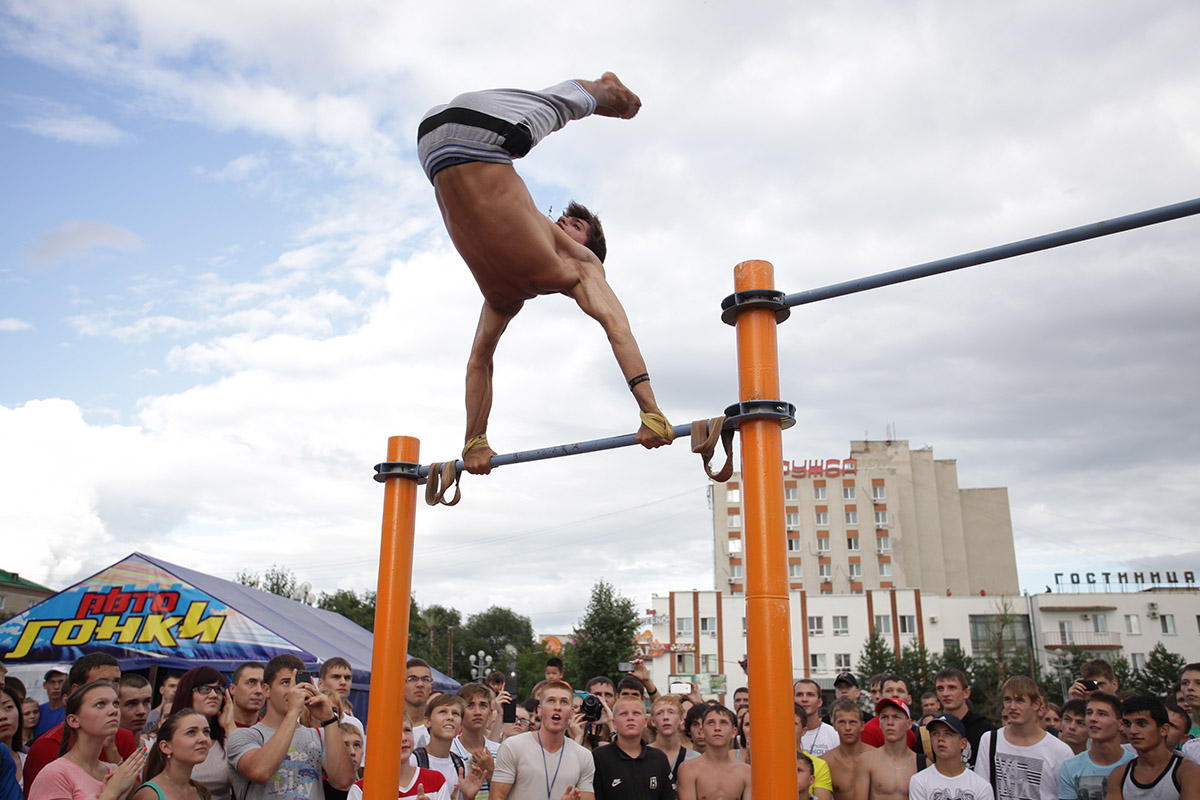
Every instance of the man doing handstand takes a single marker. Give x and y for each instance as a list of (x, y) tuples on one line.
[(512, 249)]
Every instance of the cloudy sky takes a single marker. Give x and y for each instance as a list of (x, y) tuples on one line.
[(225, 282)]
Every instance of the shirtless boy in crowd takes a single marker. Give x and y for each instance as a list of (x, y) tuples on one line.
[(886, 772), (714, 776)]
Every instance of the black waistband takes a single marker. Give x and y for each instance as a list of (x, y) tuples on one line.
[(518, 140)]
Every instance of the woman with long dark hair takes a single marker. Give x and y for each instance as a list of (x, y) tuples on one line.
[(12, 727), (204, 689), (183, 744), (91, 716)]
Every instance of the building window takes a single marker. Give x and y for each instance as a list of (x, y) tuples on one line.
[(825, 571), (791, 494), (851, 517), (1100, 623), (848, 493), (1168, 624), (792, 518), (684, 664), (949, 645), (708, 625), (822, 517), (816, 626), (733, 495), (735, 520), (818, 492), (1133, 624), (841, 661), (796, 571), (709, 664), (855, 570), (794, 545), (852, 543), (878, 492), (744, 628), (826, 589), (883, 544), (883, 623), (683, 627), (841, 626), (885, 569), (881, 518), (1138, 660), (735, 546), (735, 571), (908, 623), (817, 662), (822, 544), (1011, 630)]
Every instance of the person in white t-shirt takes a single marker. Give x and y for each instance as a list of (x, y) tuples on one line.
[(1025, 761), (949, 778), (424, 784), (472, 744), (443, 720), (819, 737), (545, 763), (418, 684)]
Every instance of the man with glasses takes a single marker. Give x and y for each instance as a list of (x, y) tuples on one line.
[(418, 683)]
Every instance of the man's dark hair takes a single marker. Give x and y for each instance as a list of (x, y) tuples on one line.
[(133, 681), (741, 690), (1105, 699), (417, 662), (495, 676), (280, 663), (556, 662), (336, 661), (1098, 668), (716, 708), (531, 705), (85, 664), (630, 682), (1193, 667), (1151, 705), (599, 679), (17, 686), (950, 673), (694, 714), (241, 669), (1078, 708), (595, 239), (801, 714), (894, 678)]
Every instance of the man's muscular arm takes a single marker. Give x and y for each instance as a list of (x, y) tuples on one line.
[(492, 324), (597, 299)]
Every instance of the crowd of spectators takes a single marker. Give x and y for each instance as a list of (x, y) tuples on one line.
[(274, 732)]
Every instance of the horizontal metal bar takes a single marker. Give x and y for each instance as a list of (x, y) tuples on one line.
[(560, 450), (1049, 240)]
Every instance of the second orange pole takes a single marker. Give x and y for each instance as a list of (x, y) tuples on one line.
[(768, 619)]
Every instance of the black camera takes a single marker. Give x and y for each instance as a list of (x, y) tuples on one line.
[(591, 708)]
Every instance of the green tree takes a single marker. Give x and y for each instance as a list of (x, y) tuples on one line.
[(358, 609), (877, 657), (1163, 668), (277, 580), (499, 632), (430, 631), (918, 666), (604, 636)]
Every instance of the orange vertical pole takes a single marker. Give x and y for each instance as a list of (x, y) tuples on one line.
[(769, 641), (392, 603)]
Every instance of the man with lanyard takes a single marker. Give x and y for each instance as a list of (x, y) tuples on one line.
[(545, 763)]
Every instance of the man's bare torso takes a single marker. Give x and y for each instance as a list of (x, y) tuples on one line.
[(887, 778), (710, 779), (514, 251), (844, 770)]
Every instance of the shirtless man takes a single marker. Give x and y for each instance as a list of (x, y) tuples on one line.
[(513, 250), (886, 771), (714, 776), (845, 759)]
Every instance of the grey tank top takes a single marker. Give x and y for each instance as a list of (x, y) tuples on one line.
[(1161, 788)]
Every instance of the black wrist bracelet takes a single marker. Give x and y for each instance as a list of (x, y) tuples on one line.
[(329, 722), (636, 379)]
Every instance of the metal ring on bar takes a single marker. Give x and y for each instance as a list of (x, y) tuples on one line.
[(398, 469), (749, 410), (770, 299)]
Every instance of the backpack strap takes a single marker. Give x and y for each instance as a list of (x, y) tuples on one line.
[(422, 756), (992, 755), (457, 760)]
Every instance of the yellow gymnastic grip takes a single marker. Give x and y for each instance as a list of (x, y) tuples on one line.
[(659, 424), (475, 443)]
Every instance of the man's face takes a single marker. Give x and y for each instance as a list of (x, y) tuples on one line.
[(1143, 732), (893, 724), (554, 673), (666, 719), (135, 707), (876, 694), (633, 693), (696, 734), (278, 690), (847, 690), (248, 693), (406, 741), (555, 710), (930, 705), (1105, 685), (110, 674), (339, 680), (445, 722), (167, 690), (1102, 723), (576, 228), (418, 682), (605, 692), (809, 698), (1189, 686), (952, 695), (1020, 709), (895, 690), (354, 746), (741, 699), (947, 743), (848, 726), (1074, 730), (804, 777), (1180, 727), (718, 730), (478, 714), (630, 719), (54, 687)]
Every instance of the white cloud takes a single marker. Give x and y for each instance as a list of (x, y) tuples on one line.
[(78, 238), (11, 324)]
